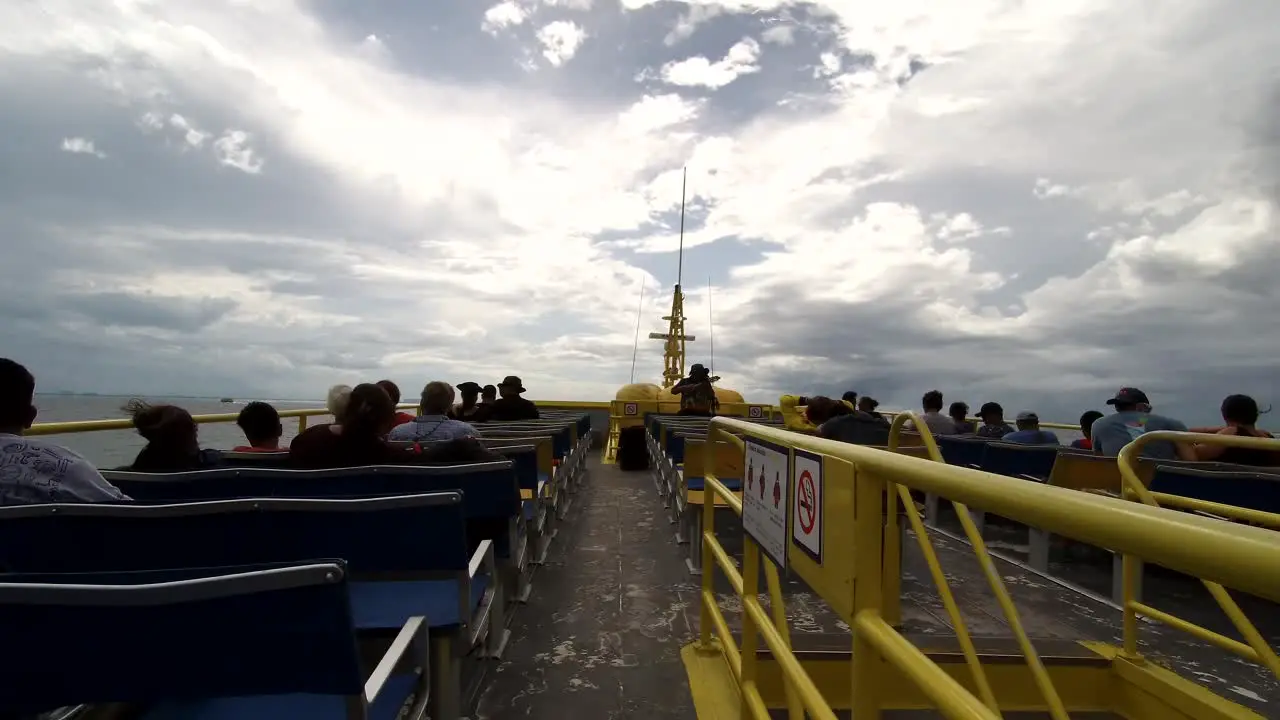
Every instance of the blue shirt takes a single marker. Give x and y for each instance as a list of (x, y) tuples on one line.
[(431, 428), (1031, 437), (1110, 433)]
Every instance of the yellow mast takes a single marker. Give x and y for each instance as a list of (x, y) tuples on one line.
[(673, 356)]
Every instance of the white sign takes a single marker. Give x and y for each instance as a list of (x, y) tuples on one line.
[(806, 512), (755, 411), (764, 497)]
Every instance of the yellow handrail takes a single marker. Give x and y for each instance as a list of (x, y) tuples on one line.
[(1246, 558), (1256, 647)]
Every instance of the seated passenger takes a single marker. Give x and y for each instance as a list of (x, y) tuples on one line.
[(1133, 418), (868, 405), (511, 406), (959, 413), (339, 396), (1086, 427), (173, 443), (433, 423), (1240, 413), (359, 439), (469, 409), (393, 391), (488, 396), (850, 398), (938, 423), (993, 424), (1029, 432), (851, 426), (33, 470), (697, 394), (261, 426)]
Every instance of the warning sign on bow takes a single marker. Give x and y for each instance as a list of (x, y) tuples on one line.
[(806, 513), (764, 496)]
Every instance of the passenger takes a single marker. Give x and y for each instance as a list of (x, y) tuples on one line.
[(1029, 432), (173, 443), (868, 405), (850, 398), (993, 424), (1133, 418), (393, 391), (959, 413), (938, 423), (852, 426), (32, 470), (819, 409), (469, 408), (1240, 413), (511, 406), (339, 396), (357, 439), (433, 423), (488, 395), (1086, 427), (697, 394), (261, 426)]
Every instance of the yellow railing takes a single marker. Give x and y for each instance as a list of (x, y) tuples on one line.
[(83, 426), (865, 483), (1256, 648)]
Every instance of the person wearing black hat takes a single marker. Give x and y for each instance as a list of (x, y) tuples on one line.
[(469, 409), (511, 406), (697, 394), (1133, 418), (993, 424)]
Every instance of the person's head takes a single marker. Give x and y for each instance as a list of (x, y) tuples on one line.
[(17, 393), (932, 401), (510, 387), (339, 396), (1130, 400), (168, 427), (850, 397), (488, 393), (469, 391), (437, 398), (1028, 421), (369, 412), (819, 409), (868, 404), (1087, 420), (392, 390), (699, 372), (958, 411), (260, 424), (991, 413), (1240, 410)]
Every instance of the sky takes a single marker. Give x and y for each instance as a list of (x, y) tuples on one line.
[(1024, 201)]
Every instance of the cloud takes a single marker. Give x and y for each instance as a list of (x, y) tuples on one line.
[(699, 71), (1029, 203), (81, 146), (560, 41)]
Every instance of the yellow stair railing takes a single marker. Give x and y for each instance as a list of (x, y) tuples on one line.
[(861, 488)]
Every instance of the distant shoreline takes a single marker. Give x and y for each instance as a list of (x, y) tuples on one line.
[(55, 393)]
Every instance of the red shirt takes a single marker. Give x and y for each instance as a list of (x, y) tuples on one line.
[(250, 448), (402, 418)]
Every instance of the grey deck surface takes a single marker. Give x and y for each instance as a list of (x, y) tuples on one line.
[(601, 636)]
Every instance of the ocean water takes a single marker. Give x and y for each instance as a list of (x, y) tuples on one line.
[(113, 448)]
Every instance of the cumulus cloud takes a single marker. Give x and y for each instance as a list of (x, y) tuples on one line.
[(81, 146), (1032, 203)]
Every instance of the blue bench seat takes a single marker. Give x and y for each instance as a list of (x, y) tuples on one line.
[(386, 605)]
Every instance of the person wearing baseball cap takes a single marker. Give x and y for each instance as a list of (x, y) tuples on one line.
[(1133, 418), (1029, 432), (993, 424)]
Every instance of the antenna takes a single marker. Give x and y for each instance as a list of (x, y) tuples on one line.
[(636, 348), (711, 329), (684, 179)]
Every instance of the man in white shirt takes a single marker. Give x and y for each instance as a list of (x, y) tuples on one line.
[(938, 423), (33, 471)]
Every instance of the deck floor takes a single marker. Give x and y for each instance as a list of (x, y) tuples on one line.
[(601, 635)]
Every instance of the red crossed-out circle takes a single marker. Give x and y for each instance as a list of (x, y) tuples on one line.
[(807, 500)]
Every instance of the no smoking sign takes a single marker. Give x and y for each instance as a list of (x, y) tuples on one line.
[(806, 520)]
